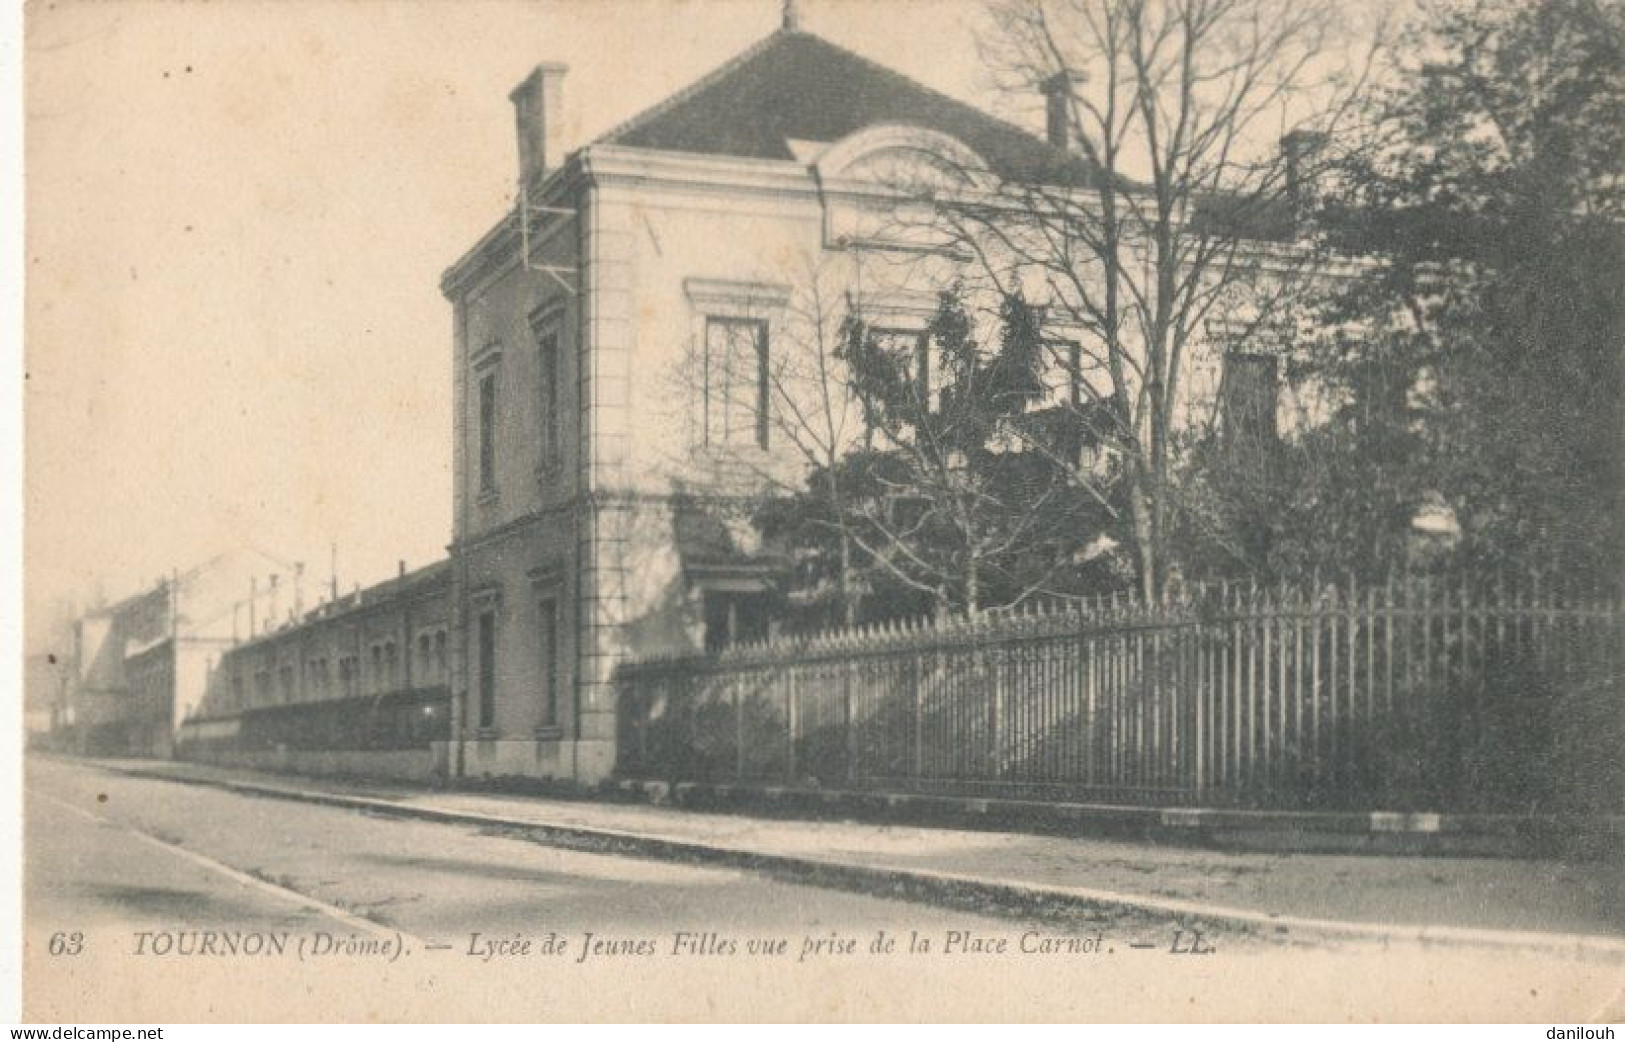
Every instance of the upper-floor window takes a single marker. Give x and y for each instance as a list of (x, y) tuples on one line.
[(1248, 392), (1063, 372), (910, 351), (546, 330), (736, 382), (488, 431)]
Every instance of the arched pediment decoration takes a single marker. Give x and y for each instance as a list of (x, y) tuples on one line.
[(899, 155)]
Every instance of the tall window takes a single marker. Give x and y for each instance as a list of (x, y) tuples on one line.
[(488, 432), (910, 349), (487, 635), (547, 344), (1248, 393), (548, 642), (440, 653), (1065, 372), (736, 382)]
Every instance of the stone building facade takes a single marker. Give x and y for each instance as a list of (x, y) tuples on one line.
[(138, 667), (628, 344), (358, 685), (614, 341)]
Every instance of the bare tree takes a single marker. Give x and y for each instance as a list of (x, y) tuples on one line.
[(799, 403), (1170, 232)]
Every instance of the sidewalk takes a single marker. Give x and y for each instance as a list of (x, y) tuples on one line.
[(1474, 901)]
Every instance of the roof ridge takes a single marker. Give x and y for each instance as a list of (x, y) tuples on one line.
[(904, 77), (990, 121), (671, 101)]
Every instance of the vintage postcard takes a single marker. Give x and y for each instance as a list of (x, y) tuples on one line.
[(820, 510)]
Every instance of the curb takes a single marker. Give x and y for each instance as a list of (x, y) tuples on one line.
[(1350, 832), (933, 886)]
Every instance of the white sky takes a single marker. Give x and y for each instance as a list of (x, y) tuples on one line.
[(238, 214)]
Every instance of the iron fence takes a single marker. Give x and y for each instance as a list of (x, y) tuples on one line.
[(406, 719), (1415, 694)]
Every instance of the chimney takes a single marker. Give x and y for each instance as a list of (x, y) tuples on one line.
[(400, 569), (1298, 151), (1058, 91), (538, 107)]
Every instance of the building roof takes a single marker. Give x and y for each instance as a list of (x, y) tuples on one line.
[(1265, 217), (795, 86), (431, 579)]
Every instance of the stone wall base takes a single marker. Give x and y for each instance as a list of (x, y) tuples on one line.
[(401, 764), (579, 761)]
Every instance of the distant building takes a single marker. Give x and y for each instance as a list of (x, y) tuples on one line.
[(136, 668), (359, 685)]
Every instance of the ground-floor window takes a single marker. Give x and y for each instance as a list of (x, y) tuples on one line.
[(487, 637), (547, 615), (735, 618)]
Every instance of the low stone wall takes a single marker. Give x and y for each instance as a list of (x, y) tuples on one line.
[(401, 764)]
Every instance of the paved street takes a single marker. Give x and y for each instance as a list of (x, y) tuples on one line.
[(101, 859), (167, 887), (1540, 895)]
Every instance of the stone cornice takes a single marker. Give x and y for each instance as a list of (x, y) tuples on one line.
[(619, 165)]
